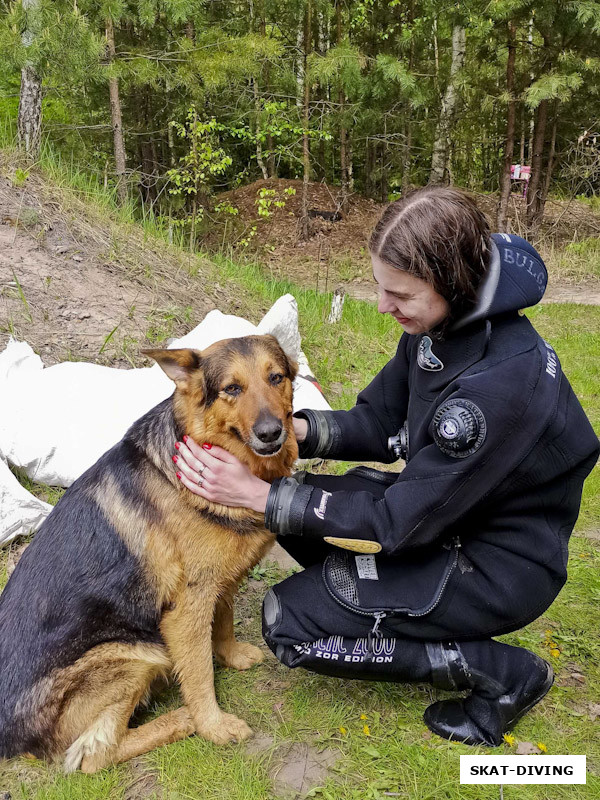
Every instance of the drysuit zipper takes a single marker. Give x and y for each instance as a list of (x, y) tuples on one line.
[(375, 633), (449, 572), (379, 615)]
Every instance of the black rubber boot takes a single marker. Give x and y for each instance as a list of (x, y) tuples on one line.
[(506, 682)]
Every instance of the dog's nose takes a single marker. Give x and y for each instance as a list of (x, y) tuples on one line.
[(267, 429)]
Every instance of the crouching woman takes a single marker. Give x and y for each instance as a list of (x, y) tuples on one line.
[(410, 576)]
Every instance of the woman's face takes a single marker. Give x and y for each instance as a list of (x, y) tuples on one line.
[(410, 300)]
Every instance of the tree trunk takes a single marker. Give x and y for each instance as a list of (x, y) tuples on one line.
[(321, 157), (349, 163), (407, 141), (116, 120), (171, 140), (535, 181), (509, 142), (384, 164), (406, 148), (300, 66), (29, 120), (522, 146), (271, 157), (537, 213), (343, 132), (439, 160), (259, 155), (254, 84), (550, 164), (369, 166), (305, 122)]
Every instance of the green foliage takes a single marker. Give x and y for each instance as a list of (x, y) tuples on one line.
[(340, 67), (392, 70), (20, 177), (554, 86), (269, 198), (38, 36), (242, 65), (205, 159)]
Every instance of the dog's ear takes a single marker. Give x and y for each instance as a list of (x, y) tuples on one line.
[(177, 364), (292, 368), (291, 364)]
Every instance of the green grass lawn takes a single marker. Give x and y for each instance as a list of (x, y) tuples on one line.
[(374, 730)]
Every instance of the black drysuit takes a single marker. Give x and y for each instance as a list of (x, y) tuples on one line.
[(473, 532)]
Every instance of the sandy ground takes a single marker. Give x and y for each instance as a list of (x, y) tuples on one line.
[(67, 282)]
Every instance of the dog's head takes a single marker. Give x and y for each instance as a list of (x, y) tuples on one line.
[(237, 393)]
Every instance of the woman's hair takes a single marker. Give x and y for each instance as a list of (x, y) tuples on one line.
[(438, 234)]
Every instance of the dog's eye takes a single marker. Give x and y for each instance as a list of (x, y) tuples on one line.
[(275, 378), (233, 389)]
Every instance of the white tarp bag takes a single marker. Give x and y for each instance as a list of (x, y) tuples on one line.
[(56, 422)]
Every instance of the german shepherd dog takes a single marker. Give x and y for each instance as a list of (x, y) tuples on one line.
[(132, 576)]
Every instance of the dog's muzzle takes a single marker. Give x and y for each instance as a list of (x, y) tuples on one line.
[(267, 435)]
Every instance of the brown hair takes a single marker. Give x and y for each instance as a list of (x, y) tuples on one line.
[(436, 233)]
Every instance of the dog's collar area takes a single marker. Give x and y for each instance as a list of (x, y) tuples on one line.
[(241, 526)]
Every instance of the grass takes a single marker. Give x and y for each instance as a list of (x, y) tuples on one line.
[(578, 261), (398, 756)]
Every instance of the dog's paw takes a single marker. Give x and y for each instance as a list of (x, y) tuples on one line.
[(91, 764), (227, 728), (239, 655)]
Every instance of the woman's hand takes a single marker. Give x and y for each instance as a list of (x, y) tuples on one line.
[(218, 476), (300, 429)]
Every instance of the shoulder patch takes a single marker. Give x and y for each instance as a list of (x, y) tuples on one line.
[(459, 428)]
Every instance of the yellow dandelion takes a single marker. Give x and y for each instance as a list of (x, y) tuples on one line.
[(363, 716), (541, 746), (554, 652), (343, 730), (509, 739), (366, 730)]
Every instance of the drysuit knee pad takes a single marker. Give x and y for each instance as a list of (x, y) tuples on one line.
[(271, 613)]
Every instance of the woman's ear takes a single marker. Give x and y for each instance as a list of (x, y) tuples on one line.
[(178, 365)]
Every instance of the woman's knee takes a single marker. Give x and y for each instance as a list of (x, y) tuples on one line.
[(285, 614)]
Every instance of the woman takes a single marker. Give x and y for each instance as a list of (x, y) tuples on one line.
[(471, 537)]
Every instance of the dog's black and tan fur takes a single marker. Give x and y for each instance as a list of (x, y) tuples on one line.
[(132, 576)]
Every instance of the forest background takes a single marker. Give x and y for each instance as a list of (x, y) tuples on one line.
[(172, 102)]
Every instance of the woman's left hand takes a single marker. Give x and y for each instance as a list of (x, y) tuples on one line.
[(218, 476)]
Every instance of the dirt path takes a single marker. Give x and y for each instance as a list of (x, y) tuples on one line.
[(587, 294)]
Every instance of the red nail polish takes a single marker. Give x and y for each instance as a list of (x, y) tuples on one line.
[(185, 438), (207, 446), (177, 445), (178, 475), (174, 459)]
